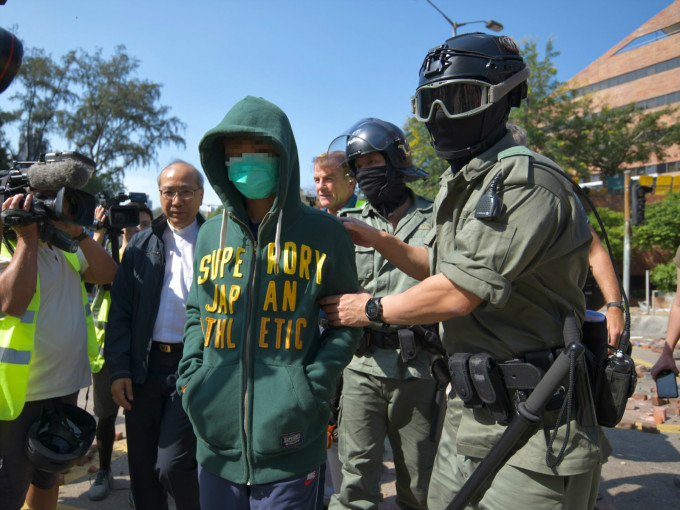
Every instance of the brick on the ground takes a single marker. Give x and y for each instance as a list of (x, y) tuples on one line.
[(659, 414), (649, 427), (626, 424), (656, 401)]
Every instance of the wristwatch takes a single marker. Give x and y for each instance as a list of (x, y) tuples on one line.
[(617, 304), (374, 310), (83, 235)]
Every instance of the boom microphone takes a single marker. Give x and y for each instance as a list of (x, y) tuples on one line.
[(52, 176)]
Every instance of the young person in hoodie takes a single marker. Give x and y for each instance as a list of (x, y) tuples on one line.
[(256, 373)]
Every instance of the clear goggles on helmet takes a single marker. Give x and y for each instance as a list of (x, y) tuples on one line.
[(346, 148), (459, 98)]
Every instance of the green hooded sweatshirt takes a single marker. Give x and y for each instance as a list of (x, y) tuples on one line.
[(256, 373)]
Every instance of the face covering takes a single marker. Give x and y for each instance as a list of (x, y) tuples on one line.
[(462, 139), (254, 175), (384, 188)]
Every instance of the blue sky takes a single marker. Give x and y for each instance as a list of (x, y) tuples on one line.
[(326, 63)]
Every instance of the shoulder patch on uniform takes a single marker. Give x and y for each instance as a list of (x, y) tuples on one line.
[(518, 150)]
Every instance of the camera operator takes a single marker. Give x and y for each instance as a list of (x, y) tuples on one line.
[(43, 324), (105, 408)]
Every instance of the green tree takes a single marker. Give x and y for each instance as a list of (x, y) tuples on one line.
[(424, 157), (613, 223), (113, 117), (661, 230), (544, 106), (216, 212), (44, 91), (569, 130), (614, 138), (97, 106), (664, 277), (5, 152)]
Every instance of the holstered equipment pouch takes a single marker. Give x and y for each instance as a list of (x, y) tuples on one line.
[(613, 377), (462, 380), (407, 345), (520, 376), (488, 381)]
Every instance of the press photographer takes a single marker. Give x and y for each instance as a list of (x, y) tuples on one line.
[(113, 219), (46, 330)]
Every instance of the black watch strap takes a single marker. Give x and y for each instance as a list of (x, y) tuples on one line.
[(617, 304), (84, 234), (373, 310)]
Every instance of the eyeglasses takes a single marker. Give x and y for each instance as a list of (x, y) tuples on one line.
[(183, 194)]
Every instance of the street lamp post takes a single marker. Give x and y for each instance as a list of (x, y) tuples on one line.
[(491, 24)]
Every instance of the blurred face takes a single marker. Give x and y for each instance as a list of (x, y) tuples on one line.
[(370, 160), (235, 146), (333, 189), (180, 195), (144, 223)]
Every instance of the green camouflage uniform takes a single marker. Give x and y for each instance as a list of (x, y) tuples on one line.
[(528, 267), (382, 396)]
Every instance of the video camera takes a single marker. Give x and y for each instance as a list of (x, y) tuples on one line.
[(119, 216), (54, 181)]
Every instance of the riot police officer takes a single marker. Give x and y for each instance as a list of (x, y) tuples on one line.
[(388, 390), (509, 259)]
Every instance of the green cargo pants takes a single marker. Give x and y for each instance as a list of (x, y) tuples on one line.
[(512, 488), (371, 409)]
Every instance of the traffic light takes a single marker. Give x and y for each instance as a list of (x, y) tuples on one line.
[(638, 206)]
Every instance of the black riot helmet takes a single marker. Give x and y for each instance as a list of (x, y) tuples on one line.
[(11, 53), (59, 437), (466, 88), (375, 135)]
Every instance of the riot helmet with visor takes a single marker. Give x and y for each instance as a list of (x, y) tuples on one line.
[(465, 91), (375, 135)]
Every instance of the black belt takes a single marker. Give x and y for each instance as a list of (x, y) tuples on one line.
[(168, 348), (479, 380), (381, 339)]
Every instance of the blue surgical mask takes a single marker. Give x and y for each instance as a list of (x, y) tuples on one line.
[(254, 175)]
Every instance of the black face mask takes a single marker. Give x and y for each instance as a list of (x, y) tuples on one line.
[(384, 188), (459, 140)]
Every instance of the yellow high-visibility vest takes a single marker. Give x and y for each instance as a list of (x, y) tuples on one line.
[(17, 337)]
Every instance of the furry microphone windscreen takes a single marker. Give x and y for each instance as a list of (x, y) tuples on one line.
[(54, 176)]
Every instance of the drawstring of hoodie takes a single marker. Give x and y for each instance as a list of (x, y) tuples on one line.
[(223, 230), (277, 239)]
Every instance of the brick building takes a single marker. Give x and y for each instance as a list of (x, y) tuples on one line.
[(643, 68)]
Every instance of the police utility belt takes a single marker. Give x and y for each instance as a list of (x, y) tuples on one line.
[(481, 381), (408, 340)]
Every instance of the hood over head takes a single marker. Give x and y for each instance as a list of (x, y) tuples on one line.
[(257, 118)]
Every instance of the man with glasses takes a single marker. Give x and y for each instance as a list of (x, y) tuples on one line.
[(508, 261), (144, 344), (105, 408)]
